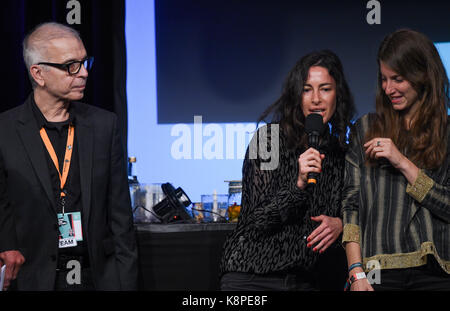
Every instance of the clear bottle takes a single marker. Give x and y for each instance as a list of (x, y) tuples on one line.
[(135, 192), (234, 199), (132, 178)]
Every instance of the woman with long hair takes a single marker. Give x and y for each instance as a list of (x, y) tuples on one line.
[(284, 224), (396, 203)]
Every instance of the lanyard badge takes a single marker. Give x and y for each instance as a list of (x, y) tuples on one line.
[(69, 223), (67, 158), (69, 229)]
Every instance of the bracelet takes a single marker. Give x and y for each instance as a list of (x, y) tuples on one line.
[(357, 276), (355, 265)]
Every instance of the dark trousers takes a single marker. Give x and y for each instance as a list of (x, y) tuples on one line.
[(429, 277), (240, 281)]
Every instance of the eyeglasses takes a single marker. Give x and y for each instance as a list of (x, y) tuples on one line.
[(73, 67)]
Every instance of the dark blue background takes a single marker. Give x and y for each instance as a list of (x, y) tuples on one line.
[(226, 60)]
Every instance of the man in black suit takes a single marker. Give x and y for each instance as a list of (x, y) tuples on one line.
[(66, 214)]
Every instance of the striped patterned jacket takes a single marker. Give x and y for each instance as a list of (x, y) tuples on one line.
[(396, 223)]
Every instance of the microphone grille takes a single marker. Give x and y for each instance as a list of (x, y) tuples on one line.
[(314, 123)]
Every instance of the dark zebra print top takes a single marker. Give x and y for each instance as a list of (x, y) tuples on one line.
[(275, 216)]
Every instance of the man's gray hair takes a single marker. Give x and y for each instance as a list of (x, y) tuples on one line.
[(35, 43)]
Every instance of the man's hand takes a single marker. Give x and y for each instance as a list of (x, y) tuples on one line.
[(13, 261)]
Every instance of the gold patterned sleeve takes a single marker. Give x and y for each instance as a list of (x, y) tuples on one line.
[(421, 186), (432, 195), (351, 233)]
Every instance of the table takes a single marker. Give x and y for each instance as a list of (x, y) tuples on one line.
[(186, 257), (180, 256)]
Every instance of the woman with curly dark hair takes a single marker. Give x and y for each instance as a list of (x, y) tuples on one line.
[(396, 206), (285, 224)]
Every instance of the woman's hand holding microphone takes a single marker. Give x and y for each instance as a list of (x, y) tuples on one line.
[(330, 228), (309, 161)]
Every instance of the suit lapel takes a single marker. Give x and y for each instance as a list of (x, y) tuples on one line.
[(29, 134), (85, 146)]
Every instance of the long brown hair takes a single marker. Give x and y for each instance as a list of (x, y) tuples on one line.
[(413, 56)]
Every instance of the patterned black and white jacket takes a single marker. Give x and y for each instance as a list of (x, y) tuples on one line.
[(275, 217)]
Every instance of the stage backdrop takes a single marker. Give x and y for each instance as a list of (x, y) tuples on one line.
[(226, 61)]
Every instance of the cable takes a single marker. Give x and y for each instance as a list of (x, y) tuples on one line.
[(189, 221)]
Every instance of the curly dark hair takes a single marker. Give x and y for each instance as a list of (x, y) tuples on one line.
[(287, 110)]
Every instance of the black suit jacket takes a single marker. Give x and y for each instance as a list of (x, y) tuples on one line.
[(29, 222)]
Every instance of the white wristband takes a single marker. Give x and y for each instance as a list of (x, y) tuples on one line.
[(357, 276)]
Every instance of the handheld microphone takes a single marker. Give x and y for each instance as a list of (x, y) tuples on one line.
[(313, 127)]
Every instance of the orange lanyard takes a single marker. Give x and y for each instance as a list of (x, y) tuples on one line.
[(67, 155)]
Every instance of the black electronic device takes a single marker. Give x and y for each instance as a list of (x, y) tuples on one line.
[(173, 206)]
